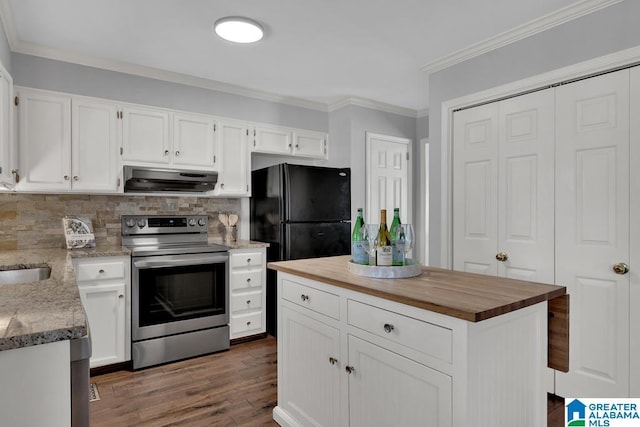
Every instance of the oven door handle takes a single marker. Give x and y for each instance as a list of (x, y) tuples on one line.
[(179, 262)]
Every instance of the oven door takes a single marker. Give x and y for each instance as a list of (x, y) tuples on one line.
[(172, 294)]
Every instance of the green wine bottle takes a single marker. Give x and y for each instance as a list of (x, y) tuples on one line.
[(384, 256), (358, 253), (397, 248)]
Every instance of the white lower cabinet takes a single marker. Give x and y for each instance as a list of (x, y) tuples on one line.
[(247, 297), (105, 290), (350, 359)]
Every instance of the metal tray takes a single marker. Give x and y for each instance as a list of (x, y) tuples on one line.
[(391, 272)]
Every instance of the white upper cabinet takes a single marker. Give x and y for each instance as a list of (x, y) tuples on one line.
[(162, 138), (94, 145), (289, 142), (234, 170), (272, 140), (7, 142), (145, 136), (44, 134), (54, 156), (307, 143), (194, 140)]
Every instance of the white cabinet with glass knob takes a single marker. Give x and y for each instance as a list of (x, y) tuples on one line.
[(105, 291), (287, 141), (247, 299)]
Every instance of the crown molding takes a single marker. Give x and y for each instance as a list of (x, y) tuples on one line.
[(373, 105), (538, 25)]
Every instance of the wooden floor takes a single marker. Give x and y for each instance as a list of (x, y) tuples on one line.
[(232, 388)]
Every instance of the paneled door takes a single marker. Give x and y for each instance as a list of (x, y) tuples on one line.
[(502, 188), (387, 177), (592, 232)]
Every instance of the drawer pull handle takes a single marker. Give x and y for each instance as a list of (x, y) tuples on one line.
[(349, 369), (333, 360), (249, 323), (248, 260), (248, 301), (388, 328), (120, 296), (304, 297), (249, 280), (101, 271)]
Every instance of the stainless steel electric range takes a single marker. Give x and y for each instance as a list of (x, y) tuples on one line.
[(180, 288)]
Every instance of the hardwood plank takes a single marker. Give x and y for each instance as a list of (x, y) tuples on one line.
[(558, 344), (468, 296)]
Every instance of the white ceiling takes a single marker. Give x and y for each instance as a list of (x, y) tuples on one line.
[(316, 50)]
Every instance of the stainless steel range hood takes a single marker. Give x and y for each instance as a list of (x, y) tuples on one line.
[(152, 180)]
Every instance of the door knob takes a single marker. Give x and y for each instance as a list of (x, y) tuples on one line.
[(620, 268), (502, 256)]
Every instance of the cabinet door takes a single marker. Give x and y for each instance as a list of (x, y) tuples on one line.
[(386, 389), (194, 142), (310, 144), (44, 122), (272, 140), (105, 308), (94, 147), (145, 136), (309, 370), (7, 143), (234, 171), (592, 231)]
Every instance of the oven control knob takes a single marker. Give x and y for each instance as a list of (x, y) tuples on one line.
[(192, 222), (142, 223), (130, 222), (202, 222)]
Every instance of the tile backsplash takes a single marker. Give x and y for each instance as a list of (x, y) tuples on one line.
[(30, 221)]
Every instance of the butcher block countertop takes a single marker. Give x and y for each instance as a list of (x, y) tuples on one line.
[(468, 296)]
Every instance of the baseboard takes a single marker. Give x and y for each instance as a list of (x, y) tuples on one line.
[(248, 338), (107, 369)]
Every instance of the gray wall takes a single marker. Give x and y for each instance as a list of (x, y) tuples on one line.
[(609, 30), (42, 73)]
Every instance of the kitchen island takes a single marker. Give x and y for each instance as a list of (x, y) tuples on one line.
[(442, 349)]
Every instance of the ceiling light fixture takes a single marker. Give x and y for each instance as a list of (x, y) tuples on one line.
[(238, 29)]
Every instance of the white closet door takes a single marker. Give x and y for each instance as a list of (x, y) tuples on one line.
[(592, 231), (634, 255), (503, 188), (525, 186), (475, 189)]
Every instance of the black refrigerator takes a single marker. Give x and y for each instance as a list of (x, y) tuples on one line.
[(302, 212)]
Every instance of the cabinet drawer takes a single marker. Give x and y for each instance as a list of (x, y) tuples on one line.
[(311, 298), (245, 280), (248, 301), (246, 323), (100, 270), (427, 338), (245, 259)]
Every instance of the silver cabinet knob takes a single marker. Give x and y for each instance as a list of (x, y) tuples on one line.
[(333, 360), (502, 256), (75, 177), (249, 280), (388, 328), (248, 260), (66, 177), (248, 301), (177, 153), (304, 297), (620, 268), (101, 271), (249, 323), (166, 152), (120, 296), (349, 369)]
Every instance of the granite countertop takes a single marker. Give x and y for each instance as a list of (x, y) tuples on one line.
[(50, 310), (468, 296)]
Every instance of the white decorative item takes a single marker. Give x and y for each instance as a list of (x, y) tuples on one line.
[(78, 232), (411, 269)]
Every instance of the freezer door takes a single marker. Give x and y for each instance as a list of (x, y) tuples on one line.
[(312, 240), (317, 194)]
